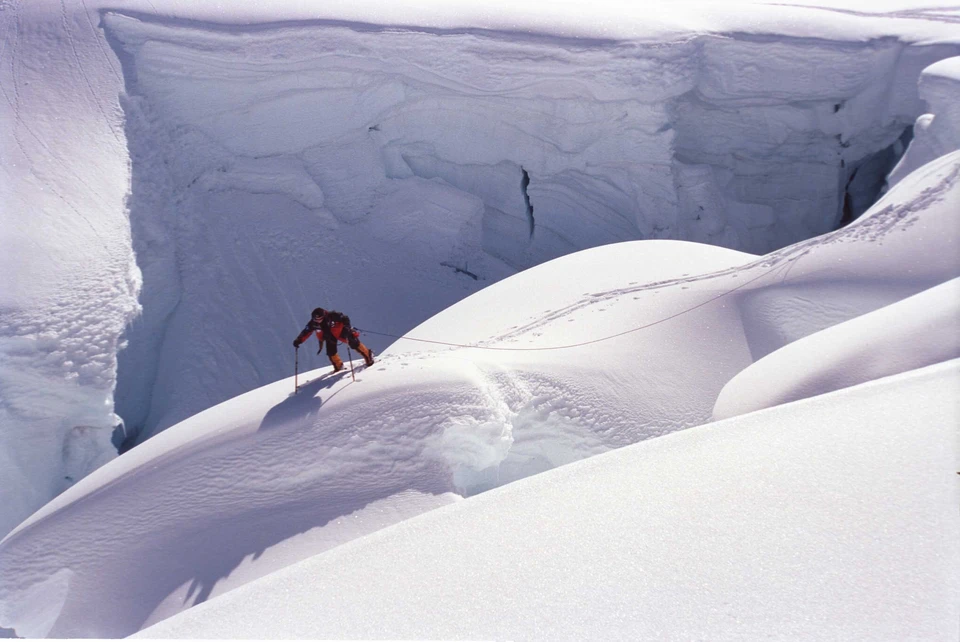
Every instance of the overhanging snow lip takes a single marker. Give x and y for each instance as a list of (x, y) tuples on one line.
[(658, 36), (237, 28)]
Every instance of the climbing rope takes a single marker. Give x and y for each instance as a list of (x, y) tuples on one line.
[(582, 343)]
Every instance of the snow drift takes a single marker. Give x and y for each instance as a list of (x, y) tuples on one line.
[(603, 348), (832, 518), (919, 331), (184, 181), (229, 173)]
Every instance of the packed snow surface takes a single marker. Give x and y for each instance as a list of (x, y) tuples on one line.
[(832, 518), (913, 333), (182, 181), (601, 349)]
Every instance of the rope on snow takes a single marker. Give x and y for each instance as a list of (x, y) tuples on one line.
[(582, 343)]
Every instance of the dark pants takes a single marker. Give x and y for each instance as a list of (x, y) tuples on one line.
[(331, 341)]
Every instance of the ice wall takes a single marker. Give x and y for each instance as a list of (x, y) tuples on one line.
[(278, 168)]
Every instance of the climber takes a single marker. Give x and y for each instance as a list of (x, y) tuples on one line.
[(331, 326)]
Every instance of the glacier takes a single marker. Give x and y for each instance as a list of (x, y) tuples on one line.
[(273, 480), (250, 146), (180, 187)]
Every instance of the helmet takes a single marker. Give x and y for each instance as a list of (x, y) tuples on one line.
[(318, 312)]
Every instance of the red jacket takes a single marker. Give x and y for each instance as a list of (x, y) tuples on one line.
[(332, 323)]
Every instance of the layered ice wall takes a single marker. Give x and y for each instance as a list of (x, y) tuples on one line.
[(745, 141)]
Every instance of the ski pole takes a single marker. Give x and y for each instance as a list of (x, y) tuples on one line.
[(350, 355), (296, 368)]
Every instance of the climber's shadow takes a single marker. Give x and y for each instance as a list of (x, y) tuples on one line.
[(301, 406)]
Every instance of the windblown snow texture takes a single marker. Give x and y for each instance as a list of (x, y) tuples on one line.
[(182, 192), (918, 331), (832, 518)]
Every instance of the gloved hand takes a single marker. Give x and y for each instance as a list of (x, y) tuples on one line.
[(296, 343)]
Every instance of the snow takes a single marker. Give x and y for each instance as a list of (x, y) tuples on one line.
[(627, 210), (620, 139), (937, 132), (268, 478), (918, 331), (419, 424), (387, 146), (832, 518)]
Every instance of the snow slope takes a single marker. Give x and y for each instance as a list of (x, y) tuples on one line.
[(909, 334), (414, 429), (184, 180), (601, 349), (831, 518)]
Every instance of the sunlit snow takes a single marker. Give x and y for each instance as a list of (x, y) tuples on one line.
[(720, 239)]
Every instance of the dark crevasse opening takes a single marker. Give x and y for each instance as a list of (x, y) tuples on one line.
[(866, 180), (524, 184)]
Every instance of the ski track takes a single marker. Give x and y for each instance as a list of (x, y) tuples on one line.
[(19, 122), (111, 60), (92, 94), (934, 14)]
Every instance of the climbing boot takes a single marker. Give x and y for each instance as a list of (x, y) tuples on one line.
[(337, 362), (367, 354)]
